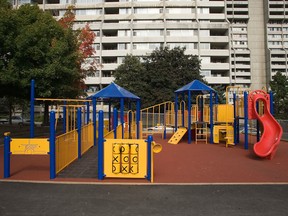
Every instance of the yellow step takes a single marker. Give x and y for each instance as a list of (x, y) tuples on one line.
[(177, 136)]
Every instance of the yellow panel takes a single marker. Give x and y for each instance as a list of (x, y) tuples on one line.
[(110, 134), (177, 136), (86, 137), (29, 146), (130, 162), (225, 113), (223, 133), (206, 115), (66, 149)]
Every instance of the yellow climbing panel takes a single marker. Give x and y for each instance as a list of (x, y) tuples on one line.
[(177, 136), (201, 132)]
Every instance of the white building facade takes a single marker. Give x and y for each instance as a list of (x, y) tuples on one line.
[(239, 42)]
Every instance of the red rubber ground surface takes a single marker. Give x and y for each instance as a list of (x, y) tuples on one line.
[(182, 163)]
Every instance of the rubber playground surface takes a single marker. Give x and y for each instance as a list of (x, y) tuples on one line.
[(182, 163)]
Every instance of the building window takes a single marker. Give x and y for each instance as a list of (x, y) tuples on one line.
[(146, 46), (147, 33), (180, 10), (147, 11), (182, 33), (125, 11), (190, 46)]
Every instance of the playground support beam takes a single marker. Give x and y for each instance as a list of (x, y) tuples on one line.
[(115, 122), (87, 112), (211, 118), (236, 119), (257, 123), (122, 115), (189, 118), (7, 154), (32, 99), (79, 121), (101, 145), (94, 121), (176, 111), (52, 146), (138, 117), (183, 110), (64, 117), (149, 158), (271, 103), (246, 120), (109, 116)]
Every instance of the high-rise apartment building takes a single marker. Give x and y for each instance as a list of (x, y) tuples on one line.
[(240, 42)]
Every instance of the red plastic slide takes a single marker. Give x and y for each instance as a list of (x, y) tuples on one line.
[(272, 131)]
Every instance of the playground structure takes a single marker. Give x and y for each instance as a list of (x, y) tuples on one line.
[(122, 151), (80, 134), (200, 119)]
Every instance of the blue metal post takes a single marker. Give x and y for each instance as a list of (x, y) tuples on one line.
[(236, 128), (7, 154), (138, 117), (149, 157), (64, 117), (246, 120), (271, 103), (115, 122), (176, 111), (109, 116), (79, 121), (87, 112), (94, 121), (100, 145), (211, 118), (257, 123), (189, 118), (129, 119), (32, 99), (122, 115), (52, 146)]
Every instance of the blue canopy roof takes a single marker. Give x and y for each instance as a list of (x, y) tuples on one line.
[(196, 86), (114, 91)]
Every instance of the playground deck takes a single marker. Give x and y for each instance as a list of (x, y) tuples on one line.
[(182, 163)]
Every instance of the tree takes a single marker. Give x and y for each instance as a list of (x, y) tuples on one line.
[(35, 46), (221, 92), (159, 75), (85, 38), (132, 76), (279, 86), (169, 70)]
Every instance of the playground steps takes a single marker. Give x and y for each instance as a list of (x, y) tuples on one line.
[(201, 132), (177, 136), (224, 133)]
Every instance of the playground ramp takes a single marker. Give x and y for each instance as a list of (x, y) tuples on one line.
[(272, 131), (177, 136)]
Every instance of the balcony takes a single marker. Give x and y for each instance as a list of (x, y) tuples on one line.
[(218, 80)]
